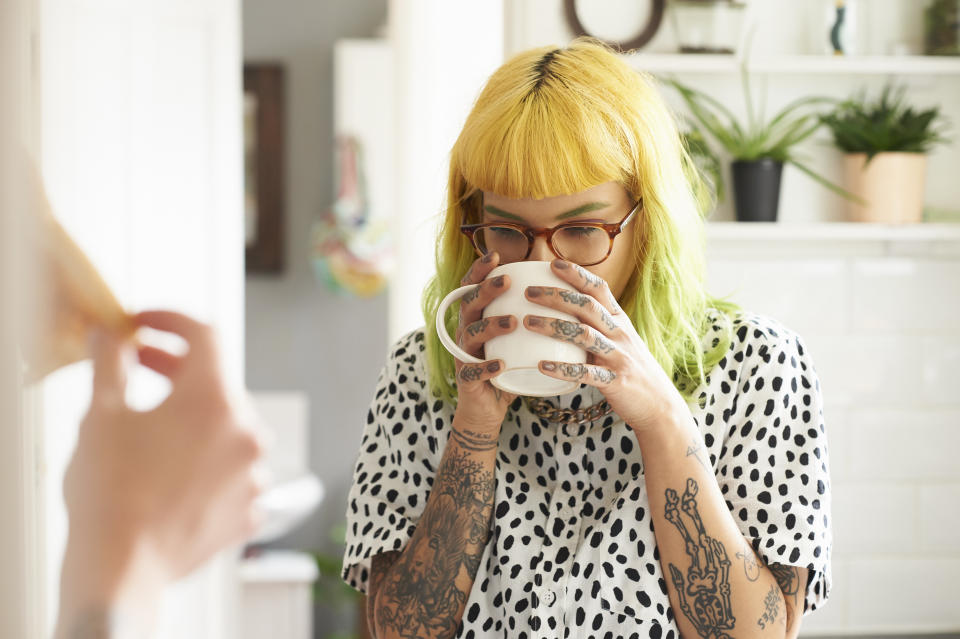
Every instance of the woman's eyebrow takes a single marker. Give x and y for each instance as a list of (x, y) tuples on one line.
[(584, 208)]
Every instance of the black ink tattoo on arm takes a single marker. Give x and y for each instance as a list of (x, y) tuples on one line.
[(705, 594), (772, 605), (425, 592), (751, 568), (788, 578), (694, 450), (379, 566), (471, 440)]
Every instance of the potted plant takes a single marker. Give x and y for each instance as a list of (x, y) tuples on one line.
[(705, 162), (885, 142), (334, 594), (759, 147)]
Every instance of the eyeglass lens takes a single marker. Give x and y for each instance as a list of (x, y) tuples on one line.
[(578, 244)]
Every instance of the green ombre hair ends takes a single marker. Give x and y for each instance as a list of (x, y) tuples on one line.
[(555, 121)]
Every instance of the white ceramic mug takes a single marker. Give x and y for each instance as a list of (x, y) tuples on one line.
[(521, 350)]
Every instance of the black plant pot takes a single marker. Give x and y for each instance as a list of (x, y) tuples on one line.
[(756, 189)]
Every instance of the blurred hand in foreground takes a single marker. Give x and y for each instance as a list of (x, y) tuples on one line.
[(152, 495)]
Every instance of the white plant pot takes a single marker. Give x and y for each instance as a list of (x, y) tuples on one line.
[(892, 185)]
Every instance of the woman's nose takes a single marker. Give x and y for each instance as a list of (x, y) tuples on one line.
[(540, 252)]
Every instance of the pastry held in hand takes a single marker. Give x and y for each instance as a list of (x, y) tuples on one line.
[(71, 297)]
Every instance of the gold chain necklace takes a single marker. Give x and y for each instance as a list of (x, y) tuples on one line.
[(544, 409)]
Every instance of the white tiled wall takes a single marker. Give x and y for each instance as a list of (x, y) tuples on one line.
[(882, 321)]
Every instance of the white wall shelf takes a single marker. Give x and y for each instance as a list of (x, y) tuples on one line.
[(797, 64), (779, 240), (827, 231)]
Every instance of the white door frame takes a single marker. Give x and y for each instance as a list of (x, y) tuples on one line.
[(22, 611)]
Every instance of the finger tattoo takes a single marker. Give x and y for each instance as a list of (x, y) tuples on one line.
[(478, 327), (469, 275), (470, 296), (574, 371), (471, 373), (603, 375), (565, 330), (577, 299), (601, 345), (607, 320), (591, 279)]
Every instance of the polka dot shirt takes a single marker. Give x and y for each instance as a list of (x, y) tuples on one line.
[(572, 551)]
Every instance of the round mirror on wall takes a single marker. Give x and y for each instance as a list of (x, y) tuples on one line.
[(623, 24)]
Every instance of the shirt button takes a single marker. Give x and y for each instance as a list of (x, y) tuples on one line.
[(549, 597)]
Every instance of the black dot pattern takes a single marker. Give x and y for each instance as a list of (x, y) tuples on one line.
[(572, 550)]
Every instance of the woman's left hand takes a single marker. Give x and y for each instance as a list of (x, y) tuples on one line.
[(618, 361)]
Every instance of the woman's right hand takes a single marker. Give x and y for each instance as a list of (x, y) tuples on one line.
[(481, 407)]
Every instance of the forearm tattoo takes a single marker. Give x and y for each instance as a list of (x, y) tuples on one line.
[(471, 440), (751, 568), (705, 594), (772, 605), (421, 596), (788, 578), (693, 450)]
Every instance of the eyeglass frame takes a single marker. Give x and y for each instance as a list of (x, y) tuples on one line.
[(613, 229)]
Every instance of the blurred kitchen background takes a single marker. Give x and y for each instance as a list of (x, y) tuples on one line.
[(326, 163)]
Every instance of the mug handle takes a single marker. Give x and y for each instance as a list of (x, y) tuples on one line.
[(442, 333)]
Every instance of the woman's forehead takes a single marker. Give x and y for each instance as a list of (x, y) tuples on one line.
[(602, 196)]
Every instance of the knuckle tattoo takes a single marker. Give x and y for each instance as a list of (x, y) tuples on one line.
[(601, 345), (604, 375), (607, 320)]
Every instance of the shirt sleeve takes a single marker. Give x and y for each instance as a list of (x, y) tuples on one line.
[(773, 467), (395, 466)]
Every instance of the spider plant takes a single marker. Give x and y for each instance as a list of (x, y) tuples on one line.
[(758, 138), (705, 161), (886, 124)]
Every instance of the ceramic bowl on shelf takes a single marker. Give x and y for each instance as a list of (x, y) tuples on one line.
[(707, 26)]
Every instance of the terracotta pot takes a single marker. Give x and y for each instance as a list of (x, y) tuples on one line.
[(892, 185)]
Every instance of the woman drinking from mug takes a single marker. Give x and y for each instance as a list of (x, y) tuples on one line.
[(682, 487)]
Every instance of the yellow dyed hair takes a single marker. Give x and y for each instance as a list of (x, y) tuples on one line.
[(555, 121)]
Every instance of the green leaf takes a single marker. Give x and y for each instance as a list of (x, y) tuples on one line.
[(826, 183)]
